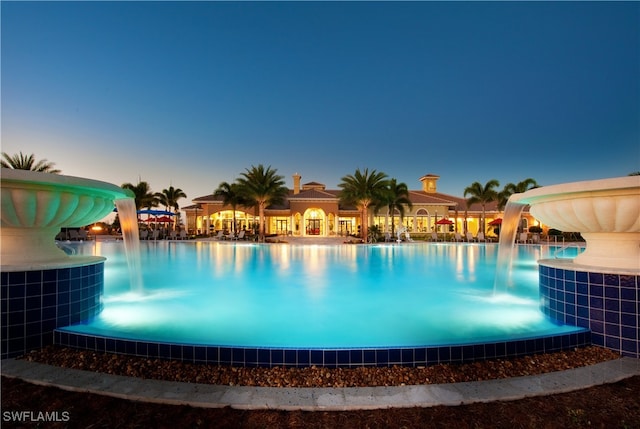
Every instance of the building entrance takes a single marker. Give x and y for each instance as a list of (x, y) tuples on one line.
[(313, 227)]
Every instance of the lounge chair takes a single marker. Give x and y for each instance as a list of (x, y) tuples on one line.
[(387, 237), (144, 234), (470, 237), (219, 236), (240, 236), (481, 237), (173, 235), (523, 238), (457, 237), (73, 235), (155, 234), (434, 236), (183, 234)]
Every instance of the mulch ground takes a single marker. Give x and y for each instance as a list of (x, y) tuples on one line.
[(608, 406)]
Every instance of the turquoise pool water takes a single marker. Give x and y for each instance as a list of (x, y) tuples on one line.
[(318, 296)]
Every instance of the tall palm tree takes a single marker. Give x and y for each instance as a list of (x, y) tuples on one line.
[(395, 198), (22, 162), (169, 199), (143, 195), (483, 195), (230, 193), (510, 189), (363, 189), (261, 187)]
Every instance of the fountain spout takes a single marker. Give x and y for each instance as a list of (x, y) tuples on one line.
[(36, 205), (606, 213)]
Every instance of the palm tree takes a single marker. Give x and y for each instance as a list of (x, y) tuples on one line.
[(230, 193), (395, 198), (483, 195), (260, 188), (363, 189), (510, 189), (169, 199), (143, 195), (22, 162)]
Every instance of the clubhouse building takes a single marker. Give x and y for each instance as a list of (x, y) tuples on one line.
[(312, 210)]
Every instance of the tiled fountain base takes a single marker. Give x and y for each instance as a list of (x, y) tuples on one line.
[(606, 303)]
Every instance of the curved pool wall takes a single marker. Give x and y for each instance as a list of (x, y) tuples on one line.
[(605, 301), (330, 358)]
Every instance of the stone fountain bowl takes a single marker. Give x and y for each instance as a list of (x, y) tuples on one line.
[(606, 213), (36, 205)]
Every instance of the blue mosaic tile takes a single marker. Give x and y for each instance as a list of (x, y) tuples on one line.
[(628, 293), (330, 358), (250, 356), (382, 357), (596, 278), (343, 358), (394, 356), (611, 329), (277, 357), (628, 281)]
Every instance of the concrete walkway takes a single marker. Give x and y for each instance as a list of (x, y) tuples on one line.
[(327, 399)]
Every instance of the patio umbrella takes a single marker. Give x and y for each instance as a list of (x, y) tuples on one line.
[(444, 221), (496, 222), (163, 219)]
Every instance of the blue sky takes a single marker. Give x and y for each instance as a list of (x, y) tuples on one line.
[(189, 94)]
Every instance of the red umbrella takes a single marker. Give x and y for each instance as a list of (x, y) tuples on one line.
[(496, 222), (163, 219), (444, 221)]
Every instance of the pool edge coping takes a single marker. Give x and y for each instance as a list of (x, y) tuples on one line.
[(324, 398)]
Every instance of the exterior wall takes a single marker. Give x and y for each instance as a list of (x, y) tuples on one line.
[(34, 303), (606, 303)]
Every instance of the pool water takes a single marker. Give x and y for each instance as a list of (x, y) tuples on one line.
[(318, 296)]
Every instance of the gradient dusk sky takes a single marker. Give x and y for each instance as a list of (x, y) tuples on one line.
[(190, 94)]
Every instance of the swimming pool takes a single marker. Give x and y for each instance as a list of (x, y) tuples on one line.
[(248, 298)]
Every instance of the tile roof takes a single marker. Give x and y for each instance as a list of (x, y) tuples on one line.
[(313, 194)]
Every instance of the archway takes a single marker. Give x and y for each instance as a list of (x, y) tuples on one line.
[(314, 222)]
